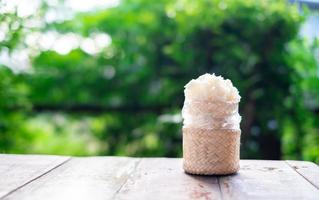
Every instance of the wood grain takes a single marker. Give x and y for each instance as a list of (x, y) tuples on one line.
[(308, 170), (53, 177), (80, 178), (267, 180), (163, 178), (18, 170)]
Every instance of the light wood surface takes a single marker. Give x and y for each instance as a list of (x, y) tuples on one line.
[(53, 177), (164, 178), (17, 171), (267, 180), (308, 170), (80, 178)]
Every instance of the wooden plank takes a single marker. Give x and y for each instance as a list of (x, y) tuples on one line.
[(18, 170), (45, 177), (80, 178), (163, 178), (267, 180), (308, 170)]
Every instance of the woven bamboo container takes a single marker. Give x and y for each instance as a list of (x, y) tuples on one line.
[(210, 151)]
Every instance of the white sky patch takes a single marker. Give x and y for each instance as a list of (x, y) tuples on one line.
[(88, 45), (59, 11), (95, 43), (87, 5), (32, 39), (4, 29), (24, 8), (17, 61), (308, 29), (58, 14), (102, 40), (46, 40), (65, 43), (41, 41)]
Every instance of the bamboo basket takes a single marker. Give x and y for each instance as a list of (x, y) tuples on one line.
[(210, 151)]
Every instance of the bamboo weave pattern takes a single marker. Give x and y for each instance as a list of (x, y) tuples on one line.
[(209, 151)]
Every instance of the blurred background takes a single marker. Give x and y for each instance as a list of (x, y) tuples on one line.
[(106, 77)]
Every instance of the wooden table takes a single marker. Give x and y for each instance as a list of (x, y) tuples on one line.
[(38, 177)]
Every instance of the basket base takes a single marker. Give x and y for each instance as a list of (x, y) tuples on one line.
[(191, 170)]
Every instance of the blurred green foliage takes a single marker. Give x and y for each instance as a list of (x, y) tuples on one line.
[(126, 98)]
